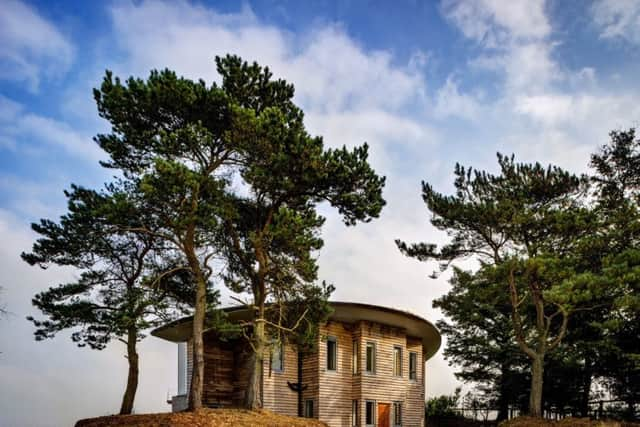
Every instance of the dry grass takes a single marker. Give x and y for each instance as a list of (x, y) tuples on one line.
[(202, 418), (566, 422)]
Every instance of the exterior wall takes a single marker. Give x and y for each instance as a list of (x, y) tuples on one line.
[(226, 375), (382, 386), (277, 396), (415, 389), (310, 377), (335, 387), (225, 372)]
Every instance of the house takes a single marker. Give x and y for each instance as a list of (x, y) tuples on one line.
[(368, 370)]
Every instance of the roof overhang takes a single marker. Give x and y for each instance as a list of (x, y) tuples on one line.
[(413, 325)]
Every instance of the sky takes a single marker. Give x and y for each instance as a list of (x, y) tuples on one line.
[(425, 83)]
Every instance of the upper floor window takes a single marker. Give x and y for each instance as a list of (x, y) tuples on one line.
[(397, 414), (397, 361), (277, 357), (413, 366), (354, 357), (332, 353), (371, 358)]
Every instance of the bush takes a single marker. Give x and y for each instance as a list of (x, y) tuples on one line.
[(443, 406)]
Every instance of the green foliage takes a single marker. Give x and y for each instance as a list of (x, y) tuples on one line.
[(443, 406), (578, 247), (270, 236), (617, 179), (120, 286), (531, 230), (232, 181), (480, 342)]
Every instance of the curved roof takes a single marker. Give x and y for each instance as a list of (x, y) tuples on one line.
[(350, 312)]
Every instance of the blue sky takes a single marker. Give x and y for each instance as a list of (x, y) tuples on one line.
[(426, 83)]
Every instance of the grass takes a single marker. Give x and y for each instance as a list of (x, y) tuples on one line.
[(202, 418)]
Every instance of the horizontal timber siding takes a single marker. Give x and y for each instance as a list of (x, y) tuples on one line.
[(310, 376), (227, 373), (277, 396), (335, 387)]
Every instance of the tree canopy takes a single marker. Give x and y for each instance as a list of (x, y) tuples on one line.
[(526, 226), (122, 288), (232, 180)]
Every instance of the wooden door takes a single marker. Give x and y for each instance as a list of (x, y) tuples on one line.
[(384, 414)]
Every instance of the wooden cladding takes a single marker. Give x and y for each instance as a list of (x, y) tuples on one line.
[(357, 369), (383, 378)]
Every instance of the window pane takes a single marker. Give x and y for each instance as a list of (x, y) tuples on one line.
[(277, 358), (397, 361), (397, 414), (413, 365), (308, 408), (354, 413), (369, 415), (354, 358), (371, 357), (331, 354)]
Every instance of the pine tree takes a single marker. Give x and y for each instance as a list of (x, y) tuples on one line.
[(232, 179), (122, 288), (526, 225)]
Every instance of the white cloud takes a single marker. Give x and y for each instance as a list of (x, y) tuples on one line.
[(543, 110), (451, 102), (546, 108), (494, 22), (31, 48), (349, 95), (331, 71), (515, 35), (26, 131), (617, 19)]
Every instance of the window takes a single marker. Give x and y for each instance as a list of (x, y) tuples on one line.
[(183, 369), (277, 357), (354, 357), (354, 413), (308, 408), (397, 414), (397, 361), (371, 357), (413, 366), (370, 413), (332, 353)]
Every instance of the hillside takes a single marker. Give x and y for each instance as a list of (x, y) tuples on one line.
[(202, 418)]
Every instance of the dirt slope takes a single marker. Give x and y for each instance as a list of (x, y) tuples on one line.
[(202, 418)]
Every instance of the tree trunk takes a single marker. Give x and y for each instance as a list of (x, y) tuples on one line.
[(535, 397), (586, 388), (197, 375), (503, 398), (132, 377), (253, 397)]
